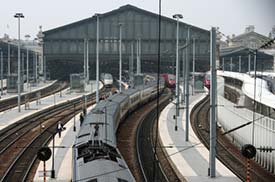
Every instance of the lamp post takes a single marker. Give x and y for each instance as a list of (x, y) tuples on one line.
[(9, 58), (177, 16), (97, 58), (18, 16), (120, 56), (43, 62), (27, 38), (1, 72), (194, 56), (213, 102)]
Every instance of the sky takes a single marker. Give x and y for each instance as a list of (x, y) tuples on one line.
[(231, 16)]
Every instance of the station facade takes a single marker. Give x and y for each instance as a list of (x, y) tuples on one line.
[(65, 47), (239, 53)]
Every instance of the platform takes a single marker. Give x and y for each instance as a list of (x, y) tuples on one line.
[(12, 115), (62, 154), (191, 159), (27, 89)]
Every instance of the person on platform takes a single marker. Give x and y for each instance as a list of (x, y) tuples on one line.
[(59, 128)]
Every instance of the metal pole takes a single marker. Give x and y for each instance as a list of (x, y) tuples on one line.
[(74, 119), (120, 57), (84, 63), (137, 57), (184, 53), (27, 67), (255, 62), (240, 64), (223, 64), (97, 61), (18, 70), (23, 68), (106, 132), (2, 73), (193, 78), (249, 59), (53, 171), (9, 60), (212, 154), (42, 60), (132, 63), (87, 62), (177, 76), (45, 68), (187, 90), (36, 71), (255, 87), (231, 64)]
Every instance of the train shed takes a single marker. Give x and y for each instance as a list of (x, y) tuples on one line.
[(66, 47)]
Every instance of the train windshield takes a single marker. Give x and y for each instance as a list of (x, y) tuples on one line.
[(171, 77), (207, 77), (108, 76)]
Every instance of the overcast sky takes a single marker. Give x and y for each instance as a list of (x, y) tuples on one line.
[(232, 16)]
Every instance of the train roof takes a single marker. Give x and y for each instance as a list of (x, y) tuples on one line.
[(263, 95), (100, 116)]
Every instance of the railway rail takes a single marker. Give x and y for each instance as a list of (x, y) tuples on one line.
[(54, 88), (20, 142), (135, 139), (227, 152)]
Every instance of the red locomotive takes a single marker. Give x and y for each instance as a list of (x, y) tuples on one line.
[(170, 80)]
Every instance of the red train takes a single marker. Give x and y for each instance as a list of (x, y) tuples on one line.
[(170, 80), (206, 80)]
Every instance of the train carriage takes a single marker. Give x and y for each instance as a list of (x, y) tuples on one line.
[(95, 152)]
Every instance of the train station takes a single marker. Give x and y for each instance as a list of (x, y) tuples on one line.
[(138, 92)]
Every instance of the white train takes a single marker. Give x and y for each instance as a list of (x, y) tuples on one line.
[(107, 79), (95, 155), (262, 126)]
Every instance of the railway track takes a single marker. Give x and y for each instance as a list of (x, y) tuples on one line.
[(136, 143), (12, 102), (227, 152), (21, 141)]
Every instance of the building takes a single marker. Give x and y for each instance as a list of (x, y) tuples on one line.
[(9, 50), (239, 52), (272, 33), (66, 47)]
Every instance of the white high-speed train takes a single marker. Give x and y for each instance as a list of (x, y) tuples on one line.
[(107, 79), (95, 154)]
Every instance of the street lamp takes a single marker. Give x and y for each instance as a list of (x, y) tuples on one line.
[(120, 56), (177, 16), (18, 16), (40, 36)]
